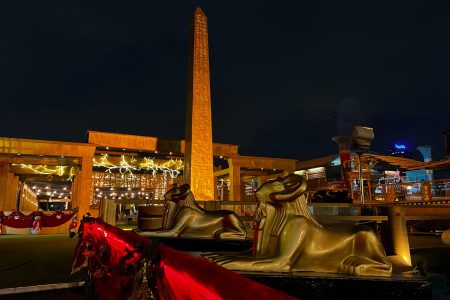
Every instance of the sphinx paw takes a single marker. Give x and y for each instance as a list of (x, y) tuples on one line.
[(232, 235), (363, 266), (272, 265), (214, 257)]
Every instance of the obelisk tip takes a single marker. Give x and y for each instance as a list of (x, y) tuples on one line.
[(199, 11)]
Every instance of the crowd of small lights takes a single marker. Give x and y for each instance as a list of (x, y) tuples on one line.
[(125, 186), (171, 167), (129, 193), (47, 191)]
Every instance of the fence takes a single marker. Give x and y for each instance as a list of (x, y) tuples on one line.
[(420, 191)]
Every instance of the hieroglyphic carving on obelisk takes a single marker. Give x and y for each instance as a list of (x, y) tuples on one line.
[(198, 167)]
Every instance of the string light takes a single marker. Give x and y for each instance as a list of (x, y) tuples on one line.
[(46, 170), (123, 167), (171, 167)]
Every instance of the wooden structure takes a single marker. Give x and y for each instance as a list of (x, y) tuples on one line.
[(77, 158), (19, 151)]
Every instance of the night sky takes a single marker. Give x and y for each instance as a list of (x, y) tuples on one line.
[(286, 76)]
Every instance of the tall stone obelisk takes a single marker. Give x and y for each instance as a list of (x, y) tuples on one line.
[(198, 163)]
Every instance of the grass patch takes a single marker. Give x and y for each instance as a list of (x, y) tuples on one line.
[(41, 259)]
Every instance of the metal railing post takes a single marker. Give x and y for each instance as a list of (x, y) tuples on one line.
[(361, 179)]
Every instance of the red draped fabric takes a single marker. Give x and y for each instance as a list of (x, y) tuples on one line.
[(56, 219), (184, 277), (17, 219), (113, 255)]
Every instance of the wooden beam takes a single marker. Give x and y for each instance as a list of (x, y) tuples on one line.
[(254, 162), (49, 161), (45, 148), (42, 178), (222, 172), (151, 144), (122, 141), (257, 172)]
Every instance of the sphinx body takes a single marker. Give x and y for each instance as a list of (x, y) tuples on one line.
[(183, 217), (290, 239)]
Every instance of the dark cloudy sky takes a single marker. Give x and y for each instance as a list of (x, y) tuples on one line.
[(286, 75)]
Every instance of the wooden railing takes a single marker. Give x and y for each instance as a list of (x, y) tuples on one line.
[(435, 191), (424, 194)]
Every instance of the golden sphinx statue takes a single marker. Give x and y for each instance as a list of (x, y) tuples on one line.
[(288, 238), (183, 217)]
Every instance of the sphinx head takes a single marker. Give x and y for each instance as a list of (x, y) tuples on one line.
[(174, 198), (178, 193), (283, 189)]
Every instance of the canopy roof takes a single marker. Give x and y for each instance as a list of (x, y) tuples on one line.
[(316, 162), (401, 162)]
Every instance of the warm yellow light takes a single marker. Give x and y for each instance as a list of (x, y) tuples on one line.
[(171, 167), (46, 170)]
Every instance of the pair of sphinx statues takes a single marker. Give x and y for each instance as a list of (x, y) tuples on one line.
[(287, 239)]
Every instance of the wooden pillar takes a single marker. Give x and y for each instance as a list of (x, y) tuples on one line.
[(215, 188), (22, 201), (3, 184), (8, 188), (235, 181), (74, 190), (3, 180), (108, 211), (13, 191), (398, 235), (83, 187)]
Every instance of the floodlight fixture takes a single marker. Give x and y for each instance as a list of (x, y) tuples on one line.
[(362, 138)]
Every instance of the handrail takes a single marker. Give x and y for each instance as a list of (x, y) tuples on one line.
[(404, 192)]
